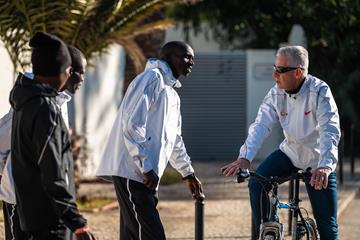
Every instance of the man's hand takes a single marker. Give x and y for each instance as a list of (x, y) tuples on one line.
[(195, 187), (151, 180), (84, 234), (235, 167), (319, 178)]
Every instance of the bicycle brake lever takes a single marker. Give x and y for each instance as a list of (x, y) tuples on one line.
[(243, 175), (307, 175)]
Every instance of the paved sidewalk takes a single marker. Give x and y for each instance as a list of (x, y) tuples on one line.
[(227, 209), (349, 221)]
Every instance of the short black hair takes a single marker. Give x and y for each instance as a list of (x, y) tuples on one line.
[(76, 57), (169, 48)]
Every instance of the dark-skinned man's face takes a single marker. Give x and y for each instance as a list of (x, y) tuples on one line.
[(76, 78), (181, 61)]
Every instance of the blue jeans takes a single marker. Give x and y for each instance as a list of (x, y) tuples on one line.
[(323, 202)]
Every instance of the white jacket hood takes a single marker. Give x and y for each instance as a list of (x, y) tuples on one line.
[(169, 78)]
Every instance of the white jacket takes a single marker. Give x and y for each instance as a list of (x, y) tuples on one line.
[(5, 136), (310, 123), (7, 187), (146, 134)]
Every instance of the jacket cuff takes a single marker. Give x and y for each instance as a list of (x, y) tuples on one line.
[(186, 171), (190, 176), (245, 153), (73, 219), (327, 164)]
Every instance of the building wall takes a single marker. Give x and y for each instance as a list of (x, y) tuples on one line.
[(257, 70), (200, 42), (213, 105), (97, 103), (92, 110), (259, 81), (6, 81)]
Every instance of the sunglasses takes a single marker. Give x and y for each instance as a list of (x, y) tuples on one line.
[(284, 69)]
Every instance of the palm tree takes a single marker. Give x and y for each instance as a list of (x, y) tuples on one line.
[(90, 25)]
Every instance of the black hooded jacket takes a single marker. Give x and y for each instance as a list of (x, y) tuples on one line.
[(41, 159)]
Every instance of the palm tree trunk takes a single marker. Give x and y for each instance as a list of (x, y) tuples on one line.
[(150, 44)]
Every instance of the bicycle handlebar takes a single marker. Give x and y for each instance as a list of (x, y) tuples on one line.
[(301, 175)]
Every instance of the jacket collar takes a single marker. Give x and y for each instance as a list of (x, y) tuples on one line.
[(303, 88), (62, 98), (165, 69)]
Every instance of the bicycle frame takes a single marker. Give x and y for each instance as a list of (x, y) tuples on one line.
[(293, 204)]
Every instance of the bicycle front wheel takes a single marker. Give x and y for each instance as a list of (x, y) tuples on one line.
[(301, 230), (269, 237)]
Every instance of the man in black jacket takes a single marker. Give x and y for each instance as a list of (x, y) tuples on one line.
[(41, 153), (7, 190)]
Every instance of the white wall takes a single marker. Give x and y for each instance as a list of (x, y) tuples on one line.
[(97, 102), (259, 81), (199, 43), (6, 81)]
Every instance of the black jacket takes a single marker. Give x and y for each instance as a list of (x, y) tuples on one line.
[(41, 159)]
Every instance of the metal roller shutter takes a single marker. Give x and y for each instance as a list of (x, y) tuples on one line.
[(213, 105)]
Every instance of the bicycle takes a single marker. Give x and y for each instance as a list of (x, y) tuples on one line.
[(304, 228)]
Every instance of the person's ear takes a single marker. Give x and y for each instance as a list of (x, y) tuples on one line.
[(298, 72)]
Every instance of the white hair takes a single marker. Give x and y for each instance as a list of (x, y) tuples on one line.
[(298, 57)]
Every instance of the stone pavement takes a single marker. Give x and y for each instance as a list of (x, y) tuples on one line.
[(349, 221), (227, 209)]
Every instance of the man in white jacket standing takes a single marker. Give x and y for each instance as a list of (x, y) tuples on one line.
[(146, 136), (307, 112)]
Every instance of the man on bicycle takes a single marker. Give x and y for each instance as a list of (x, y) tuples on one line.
[(308, 115)]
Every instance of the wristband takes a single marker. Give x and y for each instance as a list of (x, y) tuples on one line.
[(188, 177), (82, 230)]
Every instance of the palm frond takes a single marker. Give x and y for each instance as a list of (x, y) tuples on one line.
[(20, 20), (134, 11), (129, 33), (134, 51), (90, 25)]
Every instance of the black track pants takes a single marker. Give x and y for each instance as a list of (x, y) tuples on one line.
[(139, 218), (12, 223)]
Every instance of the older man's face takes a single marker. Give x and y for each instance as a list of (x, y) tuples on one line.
[(290, 78)]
